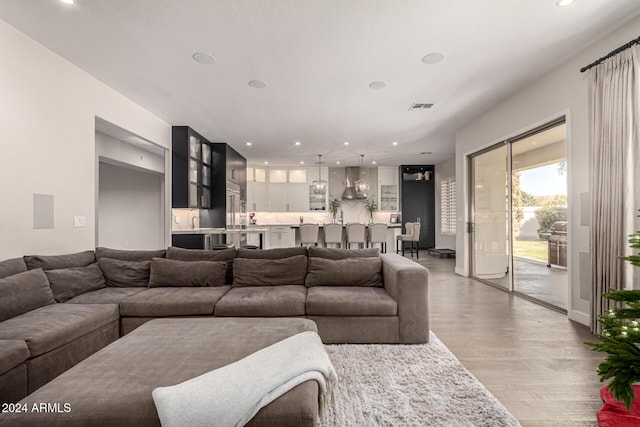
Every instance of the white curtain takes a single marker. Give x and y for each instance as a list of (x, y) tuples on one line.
[(614, 109)]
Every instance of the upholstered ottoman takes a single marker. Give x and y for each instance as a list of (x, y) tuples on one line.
[(113, 387)]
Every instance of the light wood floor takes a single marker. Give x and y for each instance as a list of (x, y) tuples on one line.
[(530, 357)]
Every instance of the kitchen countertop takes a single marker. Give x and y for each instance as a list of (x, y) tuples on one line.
[(251, 229), (389, 225)]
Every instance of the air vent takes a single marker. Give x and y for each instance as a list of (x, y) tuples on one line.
[(420, 106)]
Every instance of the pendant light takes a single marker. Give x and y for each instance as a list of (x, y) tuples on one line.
[(319, 185), (361, 184)]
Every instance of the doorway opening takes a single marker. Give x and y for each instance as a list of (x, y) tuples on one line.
[(518, 215)]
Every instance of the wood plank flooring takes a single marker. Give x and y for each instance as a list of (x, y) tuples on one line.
[(530, 357)]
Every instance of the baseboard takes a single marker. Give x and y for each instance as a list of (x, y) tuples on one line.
[(461, 272), (580, 317)]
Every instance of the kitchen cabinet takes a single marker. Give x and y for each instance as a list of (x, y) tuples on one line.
[(418, 200), (229, 172), (281, 189), (281, 237), (257, 197), (191, 169), (388, 188)]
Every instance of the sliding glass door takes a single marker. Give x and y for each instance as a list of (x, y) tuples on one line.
[(518, 228)]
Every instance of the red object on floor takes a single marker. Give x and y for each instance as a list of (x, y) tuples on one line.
[(615, 414)]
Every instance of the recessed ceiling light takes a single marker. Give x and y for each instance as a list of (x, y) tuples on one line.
[(257, 84), (266, 163), (346, 143), (377, 85), (249, 143), (302, 163), (432, 58), (563, 3), (298, 143), (68, 1), (374, 162), (394, 143), (203, 58), (338, 162)]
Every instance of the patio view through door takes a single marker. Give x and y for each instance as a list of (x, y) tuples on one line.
[(518, 227)]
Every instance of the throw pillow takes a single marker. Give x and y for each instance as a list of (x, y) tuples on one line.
[(67, 283), (125, 274), (226, 255), (276, 253), (269, 272), (344, 272), (55, 262), (126, 255), (24, 292), (169, 273), (12, 266)]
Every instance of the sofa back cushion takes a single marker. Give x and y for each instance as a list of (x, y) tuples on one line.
[(12, 266), (125, 274), (126, 255), (226, 255), (338, 253), (362, 271), (269, 272), (277, 253), (24, 292), (172, 273), (67, 283), (55, 262)]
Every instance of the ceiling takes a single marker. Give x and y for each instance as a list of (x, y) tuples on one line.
[(318, 59)]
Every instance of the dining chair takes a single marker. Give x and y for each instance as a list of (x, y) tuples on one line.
[(406, 237), (378, 234), (309, 234), (333, 234), (356, 233)]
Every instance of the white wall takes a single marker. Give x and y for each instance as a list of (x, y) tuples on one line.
[(563, 91), (130, 206), (47, 144), (443, 170)]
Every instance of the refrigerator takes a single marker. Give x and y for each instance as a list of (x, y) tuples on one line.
[(236, 216)]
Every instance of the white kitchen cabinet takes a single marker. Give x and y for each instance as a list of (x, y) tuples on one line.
[(277, 197), (297, 197), (281, 237), (388, 188), (257, 197)]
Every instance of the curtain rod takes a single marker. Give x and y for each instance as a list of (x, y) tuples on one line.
[(610, 54)]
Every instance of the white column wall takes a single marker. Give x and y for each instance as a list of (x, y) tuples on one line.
[(48, 108)]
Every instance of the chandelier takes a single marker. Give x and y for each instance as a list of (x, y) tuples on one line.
[(319, 185), (361, 184)]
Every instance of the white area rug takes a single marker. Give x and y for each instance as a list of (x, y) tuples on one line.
[(409, 385)]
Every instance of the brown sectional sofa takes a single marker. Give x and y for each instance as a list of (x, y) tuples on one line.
[(93, 298)]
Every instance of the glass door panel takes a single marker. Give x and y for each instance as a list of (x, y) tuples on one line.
[(490, 216), (540, 216)]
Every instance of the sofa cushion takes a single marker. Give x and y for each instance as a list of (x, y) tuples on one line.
[(344, 272), (12, 266), (67, 283), (126, 255), (24, 292), (269, 272), (125, 274), (276, 253), (54, 262), (106, 295), (52, 326), (165, 302), (263, 301), (226, 255), (349, 301), (12, 353), (339, 253), (172, 273)]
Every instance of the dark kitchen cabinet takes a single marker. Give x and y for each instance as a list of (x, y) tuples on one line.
[(192, 169), (229, 172), (418, 200)]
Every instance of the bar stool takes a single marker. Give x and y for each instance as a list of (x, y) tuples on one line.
[(333, 234), (308, 234), (408, 230), (378, 234), (356, 234)]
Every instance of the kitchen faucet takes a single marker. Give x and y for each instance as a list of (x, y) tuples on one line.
[(193, 222)]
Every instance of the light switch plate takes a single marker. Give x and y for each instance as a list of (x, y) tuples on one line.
[(79, 221)]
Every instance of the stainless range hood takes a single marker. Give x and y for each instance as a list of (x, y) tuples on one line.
[(353, 174)]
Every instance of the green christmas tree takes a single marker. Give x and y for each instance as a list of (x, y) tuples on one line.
[(620, 338)]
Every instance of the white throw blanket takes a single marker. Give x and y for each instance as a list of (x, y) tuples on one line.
[(233, 394)]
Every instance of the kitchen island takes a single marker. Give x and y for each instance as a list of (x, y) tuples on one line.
[(205, 238), (393, 230)]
